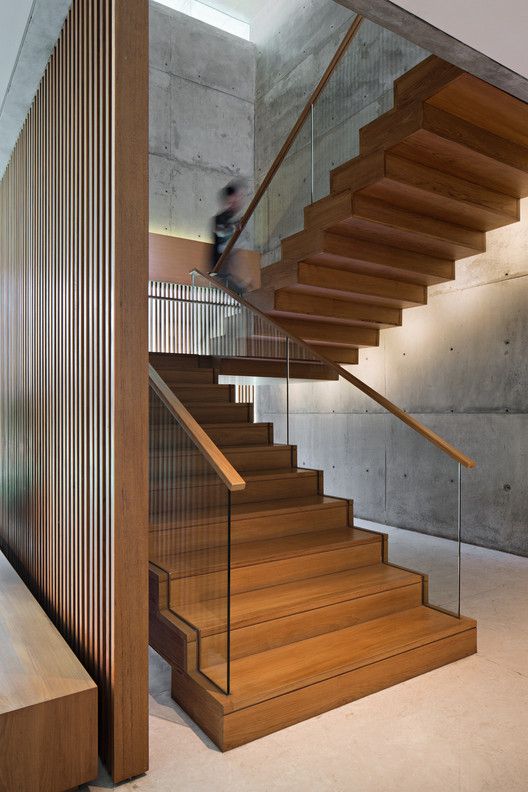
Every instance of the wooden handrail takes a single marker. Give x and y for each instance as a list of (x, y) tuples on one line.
[(277, 162), (428, 434), (231, 478)]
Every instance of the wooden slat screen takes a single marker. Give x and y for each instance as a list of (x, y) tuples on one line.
[(73, 342)]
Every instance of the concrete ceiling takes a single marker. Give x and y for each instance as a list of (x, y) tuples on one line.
[(14, 17)]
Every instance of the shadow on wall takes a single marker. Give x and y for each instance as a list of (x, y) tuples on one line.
[(457, 364)]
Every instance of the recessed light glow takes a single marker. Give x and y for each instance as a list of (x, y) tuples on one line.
[(218, 19)]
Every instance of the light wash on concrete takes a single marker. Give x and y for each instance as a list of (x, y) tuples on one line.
[(295, 43), (459, 365), (202, 87)]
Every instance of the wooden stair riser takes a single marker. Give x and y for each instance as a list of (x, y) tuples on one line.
[(503, 163), (303, 520), (299, 626), (427, 78), (243, 726), (484, 106), (310, 370), (300, 306), (340, 282), (246, 460), (174, 640), (395, 226), (187, 539), (360, 255), (177, 464), (325, 332), (210, 412), (338, 354), (297, 484), (240, 434), (187, 378), (221, 413), (169, 361), (424, 190), (189, 393), (283, 570), (211, 532)]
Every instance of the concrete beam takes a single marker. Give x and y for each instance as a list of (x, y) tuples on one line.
[(411, 27)]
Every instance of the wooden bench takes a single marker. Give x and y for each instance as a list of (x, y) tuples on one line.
[(48, 702)]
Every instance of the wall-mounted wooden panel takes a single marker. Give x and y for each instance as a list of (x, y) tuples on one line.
[(73, 344), (172, 258)]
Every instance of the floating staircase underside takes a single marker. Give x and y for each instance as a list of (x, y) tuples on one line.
[(318, 617), (447, 164)]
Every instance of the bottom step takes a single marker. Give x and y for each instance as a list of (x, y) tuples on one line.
[(282, 686)]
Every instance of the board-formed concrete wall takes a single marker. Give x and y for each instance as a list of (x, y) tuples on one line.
[(202, 89), (460, 365), (295, 42)]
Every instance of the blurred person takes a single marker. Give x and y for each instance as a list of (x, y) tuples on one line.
[(225, 223)]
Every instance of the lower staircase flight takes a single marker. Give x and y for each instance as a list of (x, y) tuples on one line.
[(317, 616)]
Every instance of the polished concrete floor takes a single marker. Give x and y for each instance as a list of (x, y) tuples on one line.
[(461, 728)]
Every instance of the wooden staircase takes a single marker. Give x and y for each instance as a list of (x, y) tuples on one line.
[(447, 164), (318, 616)]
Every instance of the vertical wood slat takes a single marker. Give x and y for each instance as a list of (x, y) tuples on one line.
[(73, 340)]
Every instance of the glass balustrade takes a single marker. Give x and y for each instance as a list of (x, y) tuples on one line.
[(189, 537), (400, 482)]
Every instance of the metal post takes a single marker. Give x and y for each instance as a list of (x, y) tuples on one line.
[(312, 153), (287, 391), (459, 532)]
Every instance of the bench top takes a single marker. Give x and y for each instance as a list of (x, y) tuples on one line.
[(36, 663)]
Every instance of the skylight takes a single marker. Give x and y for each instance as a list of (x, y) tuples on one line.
[(212, 16)]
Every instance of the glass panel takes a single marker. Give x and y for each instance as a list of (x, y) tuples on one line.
[(359, 90), (421, 505), (400, 483), (189, 537), (280, 213)]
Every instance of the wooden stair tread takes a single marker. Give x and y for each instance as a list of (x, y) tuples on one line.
[(328, 281), (234, 424), (257, 448), (250, 476), (277, 671), (405, 183), (244, 511), (245, 554), (252, 510), (275, 602), (399, 226)]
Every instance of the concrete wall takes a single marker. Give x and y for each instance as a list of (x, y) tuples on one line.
[(34, 42), (295, 42), (460, 366), (202, 87)]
